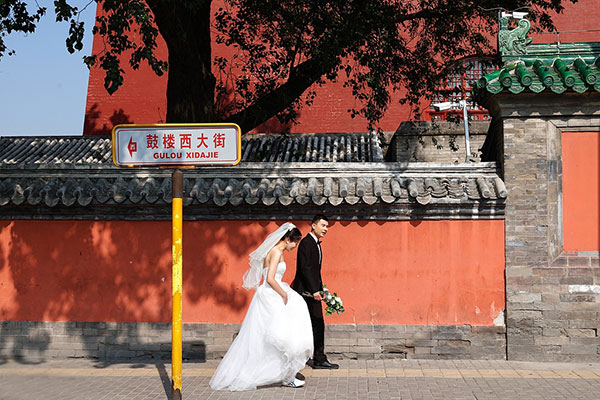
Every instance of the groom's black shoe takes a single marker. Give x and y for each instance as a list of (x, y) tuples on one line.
[(325, 365)]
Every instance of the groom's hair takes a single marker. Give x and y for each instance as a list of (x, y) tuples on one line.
[(319, 217)]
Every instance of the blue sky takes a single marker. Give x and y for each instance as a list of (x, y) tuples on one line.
[(42, 87)]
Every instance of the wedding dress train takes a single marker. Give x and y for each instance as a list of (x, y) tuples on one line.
[(274, 342)]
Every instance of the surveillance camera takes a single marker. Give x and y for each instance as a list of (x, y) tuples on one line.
[(519, 15), (442, 106), (514, 14)]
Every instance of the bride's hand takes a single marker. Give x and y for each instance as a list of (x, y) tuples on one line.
[(285, 299)]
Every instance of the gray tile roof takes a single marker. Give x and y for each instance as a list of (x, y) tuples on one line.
[(31, 152), (312, 148), (66, 177), (34, 152)]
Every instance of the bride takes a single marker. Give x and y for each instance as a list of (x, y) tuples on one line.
[(275, 339)]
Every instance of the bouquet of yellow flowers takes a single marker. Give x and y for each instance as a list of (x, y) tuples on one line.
[(333, 303)]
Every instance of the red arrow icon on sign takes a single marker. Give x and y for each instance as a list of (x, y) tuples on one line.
[(132, 147)]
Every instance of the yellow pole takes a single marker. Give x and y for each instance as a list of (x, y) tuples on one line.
[(176, 325)]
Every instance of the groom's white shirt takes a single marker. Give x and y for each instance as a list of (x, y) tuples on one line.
[(317, 241)]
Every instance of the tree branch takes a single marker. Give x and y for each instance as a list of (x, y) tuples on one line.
[(300, 79), (277, 100)]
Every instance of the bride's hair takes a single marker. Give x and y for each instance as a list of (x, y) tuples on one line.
[(294, 235)]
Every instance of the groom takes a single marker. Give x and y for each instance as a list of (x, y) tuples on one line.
[(309, 284)]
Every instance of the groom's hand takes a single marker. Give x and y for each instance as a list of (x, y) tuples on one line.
[(317, 296)]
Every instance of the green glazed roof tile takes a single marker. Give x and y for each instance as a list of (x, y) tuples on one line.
[(540, 67), (525, 77), (566, 74), (586, 71), (516, 89), (537, 87), (555, 75), (558, 89), (494, 89), (505, 78)]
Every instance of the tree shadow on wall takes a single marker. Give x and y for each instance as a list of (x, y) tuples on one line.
[(80, 271), (274, 125), (93, 116), (227, 104)]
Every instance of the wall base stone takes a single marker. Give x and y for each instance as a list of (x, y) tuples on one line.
[(553, 312), (35, 341)]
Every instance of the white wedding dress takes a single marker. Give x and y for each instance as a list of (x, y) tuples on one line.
[(273, 344)]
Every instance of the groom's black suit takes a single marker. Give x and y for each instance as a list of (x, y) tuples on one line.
[(308, 280)]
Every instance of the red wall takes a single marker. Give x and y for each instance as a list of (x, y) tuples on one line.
[(581, 191), (142, 98), (577, 23), (408, 272)]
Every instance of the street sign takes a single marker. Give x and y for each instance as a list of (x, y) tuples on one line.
[(176, 144)]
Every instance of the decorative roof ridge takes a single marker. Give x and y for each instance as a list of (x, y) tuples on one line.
[(455, 196), (244, 136), (268, 169), (261, 134), (563, 49), (534, 68), (514, 44)]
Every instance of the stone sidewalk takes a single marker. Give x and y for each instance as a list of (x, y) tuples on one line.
[(356, 379)]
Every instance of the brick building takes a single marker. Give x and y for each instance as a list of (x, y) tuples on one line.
[(545, 107)]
